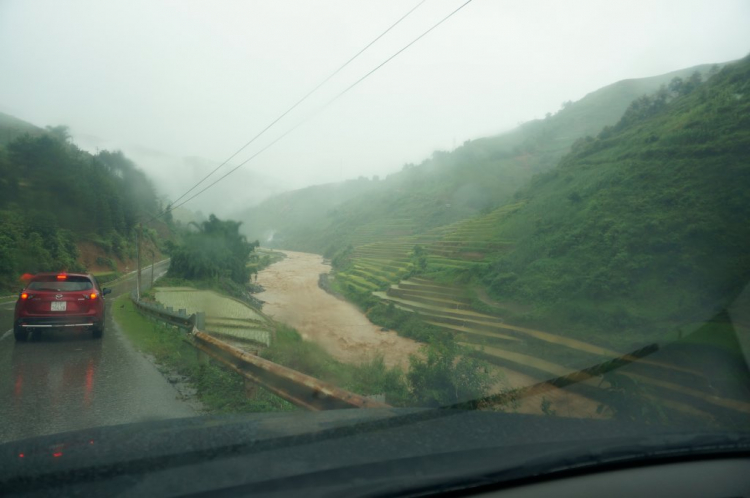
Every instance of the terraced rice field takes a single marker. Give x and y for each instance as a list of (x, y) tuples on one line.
[(224, 316), (381, 265)]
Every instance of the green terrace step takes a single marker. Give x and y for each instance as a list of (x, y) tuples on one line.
[(472, 246), (386, 265), (380, 269), (440, 314), (432, 301), (379, 254), (675, 396), (383, 249), (358, 282), (370, 277), (397, 244), (541, 367), (432, 283), (479, 334), (374, 268), (468, 243), (356, 287), (458, 255), (375, 279), (406, 293), (366, 273), (458, 264), (449, 294), (479, 321)]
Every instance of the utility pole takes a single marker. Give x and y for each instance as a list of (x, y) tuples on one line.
[(138, 238), (152, 268)]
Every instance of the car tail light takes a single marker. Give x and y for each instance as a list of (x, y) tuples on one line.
[(92, 295), (62, 277), (24, 295)]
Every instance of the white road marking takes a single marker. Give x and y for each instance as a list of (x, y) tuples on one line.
[(6, 334)]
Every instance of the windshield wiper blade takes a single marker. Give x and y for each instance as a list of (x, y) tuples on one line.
[(487, 468), (592, 457)]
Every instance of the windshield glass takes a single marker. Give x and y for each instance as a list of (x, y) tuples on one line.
[(69, 283), (526, 210)]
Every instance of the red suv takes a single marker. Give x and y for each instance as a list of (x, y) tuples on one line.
[(60, 300)]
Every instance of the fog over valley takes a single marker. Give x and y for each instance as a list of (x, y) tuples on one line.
[(178, 104)]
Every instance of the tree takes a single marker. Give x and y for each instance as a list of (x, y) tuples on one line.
[(216, 251), (443, 378)]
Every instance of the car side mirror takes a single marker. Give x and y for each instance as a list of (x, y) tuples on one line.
[(106, 291)]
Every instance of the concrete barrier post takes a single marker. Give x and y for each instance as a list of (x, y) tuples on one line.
[(200, 320), (182, 312)]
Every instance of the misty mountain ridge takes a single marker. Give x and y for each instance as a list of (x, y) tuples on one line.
[(476, 177), (173, 175)]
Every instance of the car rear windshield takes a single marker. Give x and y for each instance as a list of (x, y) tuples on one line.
[(70, 283)]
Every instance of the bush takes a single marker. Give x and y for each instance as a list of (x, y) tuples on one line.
[(443, 378)]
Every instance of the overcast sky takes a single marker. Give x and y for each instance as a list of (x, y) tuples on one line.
[(200, 78)]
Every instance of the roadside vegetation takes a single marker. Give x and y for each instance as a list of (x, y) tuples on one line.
[(440, 376), (219, 390), (56, 199)]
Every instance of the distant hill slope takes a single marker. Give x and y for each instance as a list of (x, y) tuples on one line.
[(289, 218), (12, 128), (476, 177)]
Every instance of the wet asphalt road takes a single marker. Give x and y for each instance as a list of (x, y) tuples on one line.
[(68, 380)]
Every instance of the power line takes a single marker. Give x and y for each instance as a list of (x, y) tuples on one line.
[(320, 110), (300, 100)]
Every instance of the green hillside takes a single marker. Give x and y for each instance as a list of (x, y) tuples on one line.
[(448, 187), (638, 231), (636, 241), (62, 208), (645, 226)]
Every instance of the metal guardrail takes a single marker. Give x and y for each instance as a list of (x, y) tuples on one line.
[(297, 388)]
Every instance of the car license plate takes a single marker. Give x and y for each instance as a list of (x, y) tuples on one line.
[(59, 306)]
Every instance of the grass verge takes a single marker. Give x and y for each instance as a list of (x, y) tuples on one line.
[(219, 390)]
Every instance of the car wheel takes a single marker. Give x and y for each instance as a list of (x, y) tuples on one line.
[(21, 334), (98, 332)]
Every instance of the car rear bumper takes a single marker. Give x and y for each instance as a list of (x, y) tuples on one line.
[(58, 321)]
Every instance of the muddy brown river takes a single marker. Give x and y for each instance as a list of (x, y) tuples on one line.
[(293, 297)]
